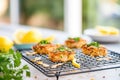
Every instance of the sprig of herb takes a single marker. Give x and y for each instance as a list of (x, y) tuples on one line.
[(75, 38), (44, 42), (96, 44), (10, 66), (64, 48)]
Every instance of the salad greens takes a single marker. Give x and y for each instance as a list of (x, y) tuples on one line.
[(96, 44), (10, 68)]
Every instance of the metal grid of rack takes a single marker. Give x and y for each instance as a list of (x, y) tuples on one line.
[(88, 64)]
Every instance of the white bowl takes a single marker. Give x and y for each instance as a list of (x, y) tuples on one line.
[(101, 38)]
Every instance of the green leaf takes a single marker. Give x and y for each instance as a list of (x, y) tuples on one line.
[(25, 67), (96, 44), (19, 72), (17, 63), (28, 73), (11, 51), (76, 39), (44, 42)]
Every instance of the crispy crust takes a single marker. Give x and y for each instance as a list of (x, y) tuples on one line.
[(94, 51), (61, 56), (75, 44), (44, 49)]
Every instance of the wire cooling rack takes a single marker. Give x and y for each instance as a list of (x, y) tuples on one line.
[(88, 64)]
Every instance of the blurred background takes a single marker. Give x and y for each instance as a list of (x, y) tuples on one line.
[(39, 13), (101, 12), (50, 13)]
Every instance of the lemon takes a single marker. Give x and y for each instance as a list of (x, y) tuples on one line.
[(107, 30), (5, 44), (113, 31), (75, 64), (50, 38), (18, 35), (32, 36)]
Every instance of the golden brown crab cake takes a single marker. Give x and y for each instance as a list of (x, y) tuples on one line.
[(62, 54), (76, 42), (94, 49), (44, 47)]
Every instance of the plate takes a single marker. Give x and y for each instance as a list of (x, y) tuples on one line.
[(94, 34), (23, 46)]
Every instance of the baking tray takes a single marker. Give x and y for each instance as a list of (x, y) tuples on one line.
[(88, 64)]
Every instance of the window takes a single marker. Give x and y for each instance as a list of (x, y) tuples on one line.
[(42, 13), (4, 11), (101, 12), (64, 15)]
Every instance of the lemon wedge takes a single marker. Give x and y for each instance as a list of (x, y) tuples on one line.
[(5, 44), (50, 38), (18, 35), (107, 30), (30, 36), (75, 64)]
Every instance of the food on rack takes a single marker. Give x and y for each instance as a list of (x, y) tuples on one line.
[(43, 64), (76, 42), (44, 47), (61, 54), (5, 44), (56, 65), (106, 30), (39, 62), (94, 49), (56, 53), (30, 53)]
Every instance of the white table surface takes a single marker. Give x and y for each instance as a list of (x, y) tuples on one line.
[(111, 74)]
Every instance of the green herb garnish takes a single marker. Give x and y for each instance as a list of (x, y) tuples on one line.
[(96, 44), (61, 56), (75, 38), (64, 48), (10, 66), (44, 42)]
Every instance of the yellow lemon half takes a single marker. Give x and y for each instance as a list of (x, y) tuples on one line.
[(18, 35), (5, 44), (30, 36), (50, 38), (108, 30)]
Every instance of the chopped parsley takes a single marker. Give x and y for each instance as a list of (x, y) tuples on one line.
[(64, 48), (10, 66), (75, 38), (61, 56), (96, 44), (44, 42)]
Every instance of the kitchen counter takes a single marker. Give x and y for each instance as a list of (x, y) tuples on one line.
[(111, 74)]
